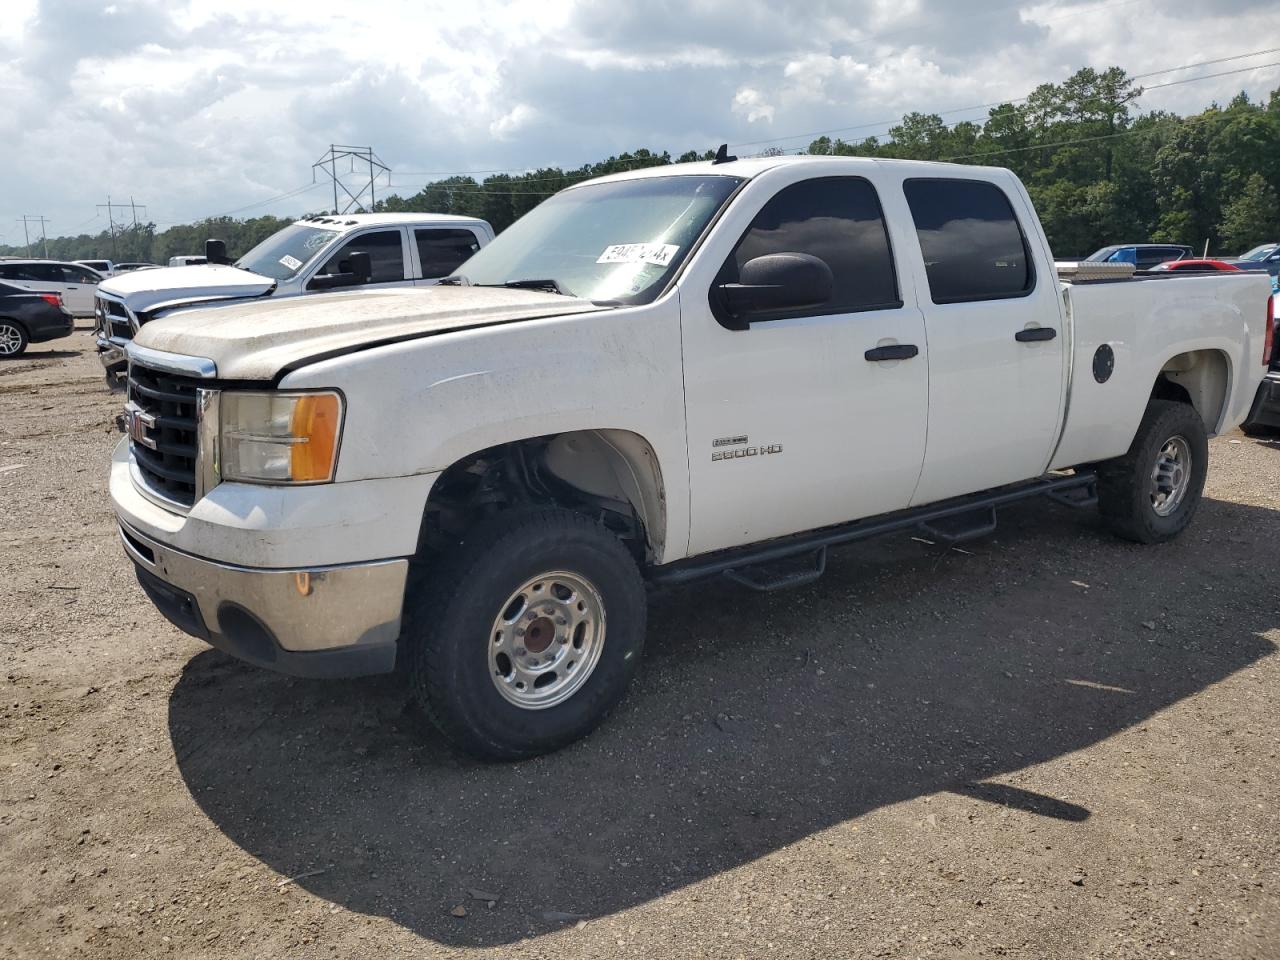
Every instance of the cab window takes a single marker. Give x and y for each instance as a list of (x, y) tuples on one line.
[(386, 255), (972, 244), (839, 221), (442, 251)]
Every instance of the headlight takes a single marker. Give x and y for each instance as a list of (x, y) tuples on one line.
[(279, 437)]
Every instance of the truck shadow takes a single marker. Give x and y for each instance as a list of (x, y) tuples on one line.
[(756, 721)]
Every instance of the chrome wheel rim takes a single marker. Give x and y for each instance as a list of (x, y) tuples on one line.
[(10, 339), (546, 640), (1170, 476)]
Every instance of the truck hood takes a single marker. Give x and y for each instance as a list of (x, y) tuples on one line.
[(259, 339), (146, 289)]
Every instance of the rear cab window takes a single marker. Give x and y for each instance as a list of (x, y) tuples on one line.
[(838, 220), (972, 243), (441, 250)]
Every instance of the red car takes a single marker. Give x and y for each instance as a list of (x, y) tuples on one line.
[(1200, 265)]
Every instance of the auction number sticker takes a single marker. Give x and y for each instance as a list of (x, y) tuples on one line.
[(659, 254), (293, 263)]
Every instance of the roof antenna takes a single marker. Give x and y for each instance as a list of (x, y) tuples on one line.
[(722, 155)]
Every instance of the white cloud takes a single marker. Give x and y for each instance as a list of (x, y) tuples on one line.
[(197, 108), (751, 104)]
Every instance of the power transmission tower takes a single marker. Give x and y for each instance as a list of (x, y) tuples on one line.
[(328, 164), (111, 220), (43, 238)]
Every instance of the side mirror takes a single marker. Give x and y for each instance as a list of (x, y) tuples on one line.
[(361, 266), (353, 270), (776, 282), (215, 251)]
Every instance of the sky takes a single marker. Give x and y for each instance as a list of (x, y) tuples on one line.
[(201, 109)]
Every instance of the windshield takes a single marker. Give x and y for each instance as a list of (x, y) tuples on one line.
[(1259, 253), (286, 251), (605, 241)]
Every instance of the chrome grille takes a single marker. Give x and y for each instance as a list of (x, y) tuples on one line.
[(163, 434)]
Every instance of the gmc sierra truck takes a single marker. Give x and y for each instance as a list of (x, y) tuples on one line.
[(721, 368)]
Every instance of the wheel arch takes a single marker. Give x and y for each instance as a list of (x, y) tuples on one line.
[(1201, 378), (614, 474)]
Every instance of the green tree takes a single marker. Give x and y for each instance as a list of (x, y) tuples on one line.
[(1253, 217)]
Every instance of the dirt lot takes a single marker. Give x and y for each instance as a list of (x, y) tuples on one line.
[(1053, 744)]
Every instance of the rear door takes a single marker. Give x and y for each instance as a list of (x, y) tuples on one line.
[(995, 343), (441, 250), (79, 285), (797, 421), (388, 256)]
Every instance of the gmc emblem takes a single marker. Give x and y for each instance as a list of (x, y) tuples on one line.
[(138, 424)]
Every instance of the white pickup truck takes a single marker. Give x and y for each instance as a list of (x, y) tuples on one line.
[(311, 255), (714, 368)]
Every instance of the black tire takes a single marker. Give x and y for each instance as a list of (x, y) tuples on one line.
[(1258, 431), (450, 620), (1125, 484), (11, 333)]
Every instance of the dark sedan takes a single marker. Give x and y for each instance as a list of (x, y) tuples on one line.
[(29, 316)]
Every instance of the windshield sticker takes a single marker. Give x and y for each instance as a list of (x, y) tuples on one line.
[(659, 254), (293, 263)]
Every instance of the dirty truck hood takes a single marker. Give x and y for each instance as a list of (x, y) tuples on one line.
[(146, 289), (256, 340)]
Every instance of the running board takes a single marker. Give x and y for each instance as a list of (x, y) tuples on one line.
[(950, 521)]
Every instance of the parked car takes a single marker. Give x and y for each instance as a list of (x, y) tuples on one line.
[(127, 267), (1143, 256), (312, 255), (1265, 256), (75, 282), (721, 368), (187, 261), (30, 316), (1201, 266), (104, 268)]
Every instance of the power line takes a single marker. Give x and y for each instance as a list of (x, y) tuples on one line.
[(997, 103), (1106, 136), (44, 239)]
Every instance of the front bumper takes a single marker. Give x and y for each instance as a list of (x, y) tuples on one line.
[(334, 621), (115, 362), (1266, 403)]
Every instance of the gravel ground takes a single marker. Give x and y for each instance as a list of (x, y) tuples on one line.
[(1050, 744)]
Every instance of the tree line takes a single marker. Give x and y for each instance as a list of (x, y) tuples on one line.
[(1098, 170)]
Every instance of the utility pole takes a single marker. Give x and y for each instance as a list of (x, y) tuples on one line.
[(111, 220), (328, 164), (43, 237)]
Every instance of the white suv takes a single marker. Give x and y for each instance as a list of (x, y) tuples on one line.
[(308, 256), (74, 281)]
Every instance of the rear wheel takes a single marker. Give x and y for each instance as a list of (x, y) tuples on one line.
[(526, 635), (1151, 493), (13, 338)]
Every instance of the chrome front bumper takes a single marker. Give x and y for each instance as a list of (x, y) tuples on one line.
[(115, 362), (332, 621)]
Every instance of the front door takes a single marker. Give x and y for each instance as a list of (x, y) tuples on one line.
[(995, 340), (802, 419), (388, 257)]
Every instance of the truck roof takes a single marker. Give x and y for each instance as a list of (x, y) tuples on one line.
[(374, 219), (749, 167)]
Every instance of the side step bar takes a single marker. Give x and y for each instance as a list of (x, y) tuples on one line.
[(950, 521)]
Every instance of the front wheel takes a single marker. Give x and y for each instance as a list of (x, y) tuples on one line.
[(1151, 493), (13, 338), (526, 635)]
